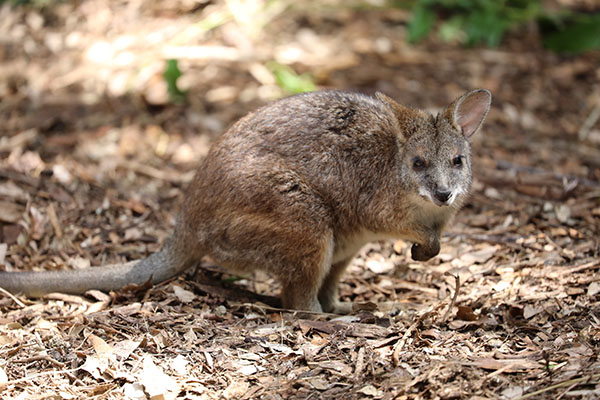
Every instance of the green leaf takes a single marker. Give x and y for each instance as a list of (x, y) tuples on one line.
[(290, 81), (452, 30), (487, 26), (171, 74), (421, 22), (577, 36)]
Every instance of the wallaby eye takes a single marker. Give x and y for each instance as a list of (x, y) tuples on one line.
[(418, 163), (457, 161)]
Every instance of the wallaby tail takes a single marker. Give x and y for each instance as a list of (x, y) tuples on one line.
[(158, 267)]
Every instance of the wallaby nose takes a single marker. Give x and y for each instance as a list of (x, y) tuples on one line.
[(442, 195)]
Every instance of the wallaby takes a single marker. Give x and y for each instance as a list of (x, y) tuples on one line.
[(297, 187)]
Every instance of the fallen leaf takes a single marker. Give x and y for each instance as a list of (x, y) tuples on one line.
[(11, 232), (157, 384), (466, 313), (11, 190), (3, 376), (530, 311), (370, 390), (134, 391), (98, 363), (235, 390), (94, 366), (280, 348), (558, 231), (39, 220), (479, 256), (380, 267), (563, 212), (4, 340), (79, 263), (458, 324), (513, 392), (593, 289), (431, 333), (124, 348), (318, 383), (10, 212), (184, 296), (102, 349), (573, 291), (179, 364), (62, 174), (248, 369), (338, 366), (501, 286)]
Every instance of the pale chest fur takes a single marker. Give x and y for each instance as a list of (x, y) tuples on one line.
[(430, 216), (347, 246), (423, 216)]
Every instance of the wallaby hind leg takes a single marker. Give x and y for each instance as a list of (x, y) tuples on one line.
[(329, 293), (305, 275), (297, 252), (294, 297)]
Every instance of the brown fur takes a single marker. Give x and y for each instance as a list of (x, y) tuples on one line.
[(297, 187)]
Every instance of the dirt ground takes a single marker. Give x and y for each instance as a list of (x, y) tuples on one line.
[(94, 157)]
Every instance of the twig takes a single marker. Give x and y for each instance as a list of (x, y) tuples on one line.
[(40, 357), (360, 363), (264, 307), (567, 390), (19, 177), (19, 140), (400, 344), (17, 301), (589, 122), (582, 267), (498, 371), (34, 376), (54, 220), (454, 297), (169, 176), (586, 379)]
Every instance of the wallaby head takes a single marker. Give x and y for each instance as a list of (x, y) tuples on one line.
[(436, 154)]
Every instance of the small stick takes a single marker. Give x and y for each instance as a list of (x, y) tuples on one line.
[(34, 376), (589, 122), (7, 293), (400, 344), (40, 357), (584, 379), (453, 301)]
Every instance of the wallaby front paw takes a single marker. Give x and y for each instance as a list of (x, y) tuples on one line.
[(422, 253)]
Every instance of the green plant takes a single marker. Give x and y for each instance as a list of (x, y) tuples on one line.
[(575, 33), (289, 80), (473, 22), (171, 74), (470, 21)]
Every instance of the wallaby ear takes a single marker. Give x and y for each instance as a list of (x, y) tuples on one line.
[(468, 111), (407, 117)]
